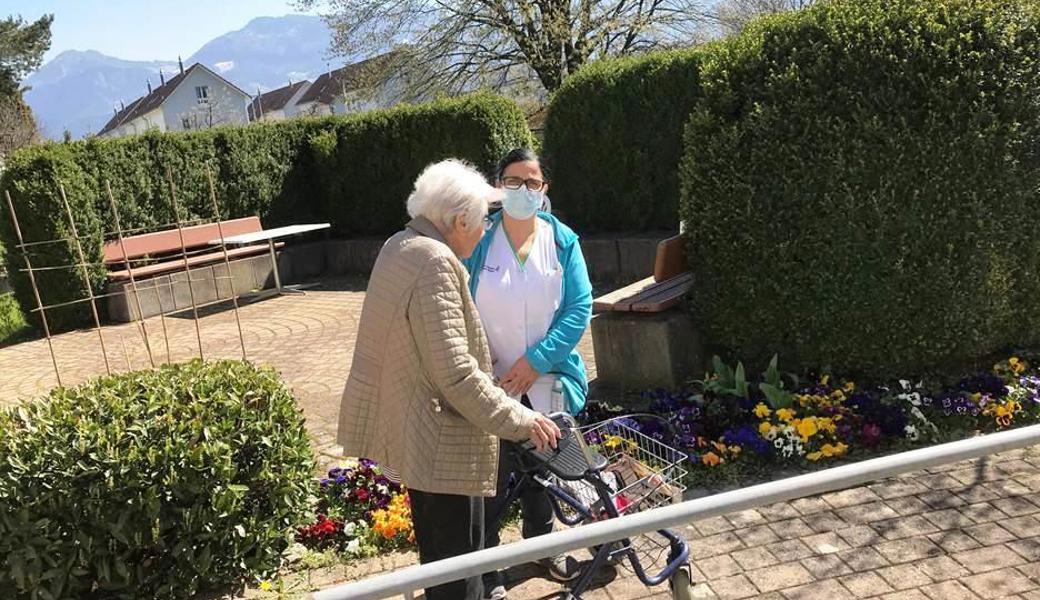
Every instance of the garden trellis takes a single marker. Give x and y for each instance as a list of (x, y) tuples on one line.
[(81, 268)]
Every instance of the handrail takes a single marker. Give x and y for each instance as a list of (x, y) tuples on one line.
[(408, 580)]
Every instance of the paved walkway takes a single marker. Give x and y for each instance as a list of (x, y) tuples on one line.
[(970, 530)]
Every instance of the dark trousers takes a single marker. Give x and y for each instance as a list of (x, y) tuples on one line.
[(447, 525), (535, 506)]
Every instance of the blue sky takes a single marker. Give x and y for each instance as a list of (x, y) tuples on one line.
[(142, 29)]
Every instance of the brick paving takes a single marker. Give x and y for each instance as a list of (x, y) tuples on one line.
[(969, 530)]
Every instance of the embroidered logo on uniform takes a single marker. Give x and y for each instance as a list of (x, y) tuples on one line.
[(491, 269)]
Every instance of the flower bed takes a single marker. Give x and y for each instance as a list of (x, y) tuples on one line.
[(729, 425), (360, 511), (734, 430)]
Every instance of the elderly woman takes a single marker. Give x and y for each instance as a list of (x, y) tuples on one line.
[(419, 398)]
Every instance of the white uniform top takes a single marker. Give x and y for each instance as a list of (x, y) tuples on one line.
[(517, 304)]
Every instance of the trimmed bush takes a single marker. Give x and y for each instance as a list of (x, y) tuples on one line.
[(154, 484), (860, 185), (353, 171), (613, 138)]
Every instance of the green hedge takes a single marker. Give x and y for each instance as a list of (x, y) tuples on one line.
[(613, 138), (860, 185), (154, 484), (352, 171)]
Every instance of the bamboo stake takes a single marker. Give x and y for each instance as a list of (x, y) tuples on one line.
[(35, 288), (227, 261), (133, 280), (184, 256), (86, 277)]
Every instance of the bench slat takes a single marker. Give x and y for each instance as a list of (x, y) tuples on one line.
[(174, 265), (645, 295), (618, 300), (662, 298)]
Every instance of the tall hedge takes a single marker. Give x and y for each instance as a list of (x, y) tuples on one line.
[(861, 185), (613, 136), (352, 171)]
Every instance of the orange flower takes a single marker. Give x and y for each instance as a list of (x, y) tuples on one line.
[(711, 459)]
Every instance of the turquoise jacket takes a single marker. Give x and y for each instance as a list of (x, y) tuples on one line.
[(556, 353)]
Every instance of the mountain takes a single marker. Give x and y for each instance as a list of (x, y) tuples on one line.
[(77, 90), (269, 51)]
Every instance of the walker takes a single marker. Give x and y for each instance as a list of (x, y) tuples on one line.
[(603, 471)]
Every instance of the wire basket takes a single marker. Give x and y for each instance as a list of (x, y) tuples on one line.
[(642, 473)]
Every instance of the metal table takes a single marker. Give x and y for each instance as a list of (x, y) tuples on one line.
[(270, 235)]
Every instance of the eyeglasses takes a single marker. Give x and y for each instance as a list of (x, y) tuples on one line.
[(514, 183)]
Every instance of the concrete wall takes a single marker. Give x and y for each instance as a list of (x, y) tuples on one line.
[(618, 260)]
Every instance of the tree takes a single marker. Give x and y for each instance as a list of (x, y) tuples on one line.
[(22, 47), (455, 46), (733, 15), (17, 126)]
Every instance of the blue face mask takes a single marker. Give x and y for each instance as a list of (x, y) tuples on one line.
[(522, 204)]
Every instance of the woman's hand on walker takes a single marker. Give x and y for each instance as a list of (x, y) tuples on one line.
[(544, 433), (520, 378)]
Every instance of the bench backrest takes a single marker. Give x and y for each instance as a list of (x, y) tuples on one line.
[(169, 241), (670, 260)]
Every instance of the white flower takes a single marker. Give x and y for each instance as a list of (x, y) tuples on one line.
[(903, 383), (911, 433), (350, 528), (354, 546), (351, 463), (383, 489)]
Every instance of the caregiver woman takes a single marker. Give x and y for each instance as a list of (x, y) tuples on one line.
[(419, 398), (532, 289)]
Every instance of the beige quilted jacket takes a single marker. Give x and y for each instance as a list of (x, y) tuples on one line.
[(419, 398)]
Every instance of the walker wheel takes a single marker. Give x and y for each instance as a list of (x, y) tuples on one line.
[(681, 583)]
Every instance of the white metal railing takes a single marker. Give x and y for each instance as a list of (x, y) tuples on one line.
[(412, 579)]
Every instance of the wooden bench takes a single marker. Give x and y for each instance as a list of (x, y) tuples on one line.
[(666, 288), (165, 247), (641, 336), (157, 261)]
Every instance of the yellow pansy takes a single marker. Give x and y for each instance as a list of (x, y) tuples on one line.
[(764, 428), (807, 428), (849, 387), (762, 411), (785, 414), (814, 456), (265, 586), (825, 379)]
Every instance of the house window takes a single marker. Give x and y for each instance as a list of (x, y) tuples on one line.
[(185, 122), (202, 94)]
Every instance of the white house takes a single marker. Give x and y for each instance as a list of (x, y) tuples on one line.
[(195, 98), (278, 104), (348, 89)]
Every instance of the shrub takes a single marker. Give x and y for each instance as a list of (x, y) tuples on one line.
[(353, 171), (860, 185), (151, 484), (614, 139), (12, 321)]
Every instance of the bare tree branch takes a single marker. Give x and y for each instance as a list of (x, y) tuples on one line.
[(452, 46)]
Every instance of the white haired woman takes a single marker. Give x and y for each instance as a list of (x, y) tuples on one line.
[(419, 398)]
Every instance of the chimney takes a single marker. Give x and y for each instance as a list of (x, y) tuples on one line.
[(121, 105), (149, 86), (115, 111), (180, 64), (162, 78)]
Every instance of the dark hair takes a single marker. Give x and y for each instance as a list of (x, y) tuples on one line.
[(518, 155)]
